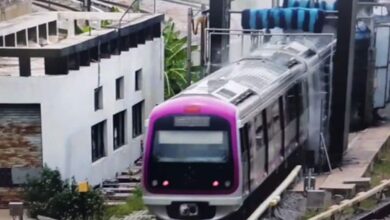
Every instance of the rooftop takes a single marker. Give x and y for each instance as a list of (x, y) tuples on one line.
[(29, 41)]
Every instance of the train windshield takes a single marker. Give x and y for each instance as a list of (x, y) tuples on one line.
[(198, 146), (192, 139)]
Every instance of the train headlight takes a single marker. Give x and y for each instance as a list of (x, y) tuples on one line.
[(165, 183), (215, 183), (227, 184), (154, 183)]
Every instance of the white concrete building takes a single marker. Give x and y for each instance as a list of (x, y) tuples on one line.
[(60, 106)]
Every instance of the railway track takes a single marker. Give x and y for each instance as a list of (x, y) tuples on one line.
[(56, 6), (186, 3), (381, 212)]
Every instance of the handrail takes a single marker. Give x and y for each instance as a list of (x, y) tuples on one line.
[(274, 198), (349, 203)]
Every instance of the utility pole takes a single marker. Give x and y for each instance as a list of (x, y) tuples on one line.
[(219, 18), (189, 45), (342, 80)]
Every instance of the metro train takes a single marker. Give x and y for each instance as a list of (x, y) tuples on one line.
[(211, 146)]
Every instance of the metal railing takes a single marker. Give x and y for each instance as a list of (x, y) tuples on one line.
[(256, 39), (275, 197)]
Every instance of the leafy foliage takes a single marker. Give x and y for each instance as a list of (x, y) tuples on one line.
[(50, 196), (135, 203), (175, 60)]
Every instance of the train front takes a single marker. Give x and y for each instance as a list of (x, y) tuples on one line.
[(191, 161)]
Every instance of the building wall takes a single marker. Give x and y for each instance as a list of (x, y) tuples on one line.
[(67, 109)]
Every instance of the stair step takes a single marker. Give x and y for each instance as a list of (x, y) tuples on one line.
[(129, 178), (134, 170), (118, 189), (119, 196), (114, 203)]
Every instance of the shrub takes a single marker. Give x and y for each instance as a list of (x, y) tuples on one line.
[(176, 78), (53, 197)]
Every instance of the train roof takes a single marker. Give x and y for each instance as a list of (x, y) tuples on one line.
[(255, 81)]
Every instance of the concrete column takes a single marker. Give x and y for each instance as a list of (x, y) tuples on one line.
[(25, 66), (342, 81), (26, 31), (56, 65), (71, 28)]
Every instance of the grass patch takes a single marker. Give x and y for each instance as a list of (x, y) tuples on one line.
[(135, 203), (381, 168), (311, 213)]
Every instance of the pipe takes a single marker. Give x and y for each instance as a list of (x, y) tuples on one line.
[(273, 198), (349, 203), (189, 45)]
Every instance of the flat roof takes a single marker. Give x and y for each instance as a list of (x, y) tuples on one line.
[(27, 21), (132, 26), (130, 23)]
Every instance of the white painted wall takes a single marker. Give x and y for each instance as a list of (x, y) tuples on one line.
[(67, 108)]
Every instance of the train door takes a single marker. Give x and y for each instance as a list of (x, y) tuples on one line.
[(257, 151), (274, 135), (382, 79), (245, 157)]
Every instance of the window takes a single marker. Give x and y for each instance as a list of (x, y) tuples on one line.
[(291, 107), (138, 80), (98, 98), (119, 88), (274, 131), (98, 141), (191, 145), (119, 121), (138, 118)]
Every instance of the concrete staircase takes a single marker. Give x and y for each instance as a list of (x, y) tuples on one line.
[(116, 191)]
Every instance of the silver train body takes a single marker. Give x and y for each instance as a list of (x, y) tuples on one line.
[(280, 95)]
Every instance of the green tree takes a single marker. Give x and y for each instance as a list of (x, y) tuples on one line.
[(53, 197), (175, 60)]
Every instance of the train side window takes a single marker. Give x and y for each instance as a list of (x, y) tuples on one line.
[(291, 108), (274, 130), (244, 138), (304, 106), (276, 117), (290, 104), (259, 130), (260, 142)]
